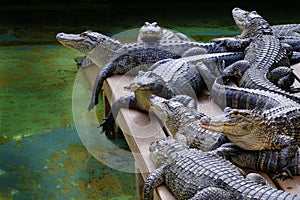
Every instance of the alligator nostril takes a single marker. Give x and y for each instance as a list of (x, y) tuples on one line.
[(59, 35)]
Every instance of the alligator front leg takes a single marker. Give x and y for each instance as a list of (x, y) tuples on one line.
[(232, 43), (156, 178), (285, 156), (104, 72), (122, 102)]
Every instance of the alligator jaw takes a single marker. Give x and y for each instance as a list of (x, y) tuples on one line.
[(223, 124), (217, 124), (158, 106), (78, 42)]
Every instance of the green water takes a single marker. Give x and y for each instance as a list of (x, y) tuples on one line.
[(36, 86), (42, 156)]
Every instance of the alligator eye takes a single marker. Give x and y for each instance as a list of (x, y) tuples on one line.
[(166, 103), (84, 34), (234, 113)]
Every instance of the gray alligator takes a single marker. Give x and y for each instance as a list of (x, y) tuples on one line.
[(183, 123), (150, 34), (194, 174), (264, 54), (267, 161), (288, 33), (275, 127), (121, 58), (166, 78)]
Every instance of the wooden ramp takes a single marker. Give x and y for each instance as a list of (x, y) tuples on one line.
[(141, 129)]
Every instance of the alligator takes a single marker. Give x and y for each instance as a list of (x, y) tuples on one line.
[(152, 33), (166, 78), (149, 34), (288, 33), (225, 95), (183, 123), (267, 161), (195, 174), (274, 130), (264, 52), (119, 58)]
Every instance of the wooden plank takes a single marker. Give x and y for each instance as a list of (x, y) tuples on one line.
[(138, 128)]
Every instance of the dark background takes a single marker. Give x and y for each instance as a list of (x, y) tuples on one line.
[(38, 21)]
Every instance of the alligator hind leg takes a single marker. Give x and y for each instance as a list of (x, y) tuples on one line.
[(213, 193), (283, 77), (235, 70)]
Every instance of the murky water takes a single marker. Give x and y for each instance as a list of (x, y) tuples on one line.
[(42, 156)]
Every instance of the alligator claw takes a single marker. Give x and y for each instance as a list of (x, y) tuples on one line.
[(284, 174), (108, 127), (226, 150)]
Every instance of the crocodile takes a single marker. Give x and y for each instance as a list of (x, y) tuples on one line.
[(183, 123), (265, 52), (195, 174), (166, 78), (267, 161)]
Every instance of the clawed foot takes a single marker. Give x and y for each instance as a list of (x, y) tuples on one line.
[(284, 174), (293, 90), (108, 127), (226, 150)]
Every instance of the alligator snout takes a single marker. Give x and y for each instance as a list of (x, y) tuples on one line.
[(59, 35)]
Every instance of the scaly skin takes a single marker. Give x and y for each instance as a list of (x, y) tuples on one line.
[(267, 161), (264, 53), (183, 124), (273, 129), (149, 34), (288, 33), (194, 174), (166, 78), (241, 98), (121, 58)]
